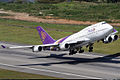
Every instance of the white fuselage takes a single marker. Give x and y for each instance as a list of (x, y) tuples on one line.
[(93, 33)]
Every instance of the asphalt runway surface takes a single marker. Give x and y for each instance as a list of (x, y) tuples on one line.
[(60, 64)]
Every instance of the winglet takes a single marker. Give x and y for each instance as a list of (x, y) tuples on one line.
[(114, 30), (3, 46)]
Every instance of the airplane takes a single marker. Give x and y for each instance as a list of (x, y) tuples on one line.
[(101, 31)]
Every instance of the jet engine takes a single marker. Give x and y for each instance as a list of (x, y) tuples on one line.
[(110, 39), (67, 45), (114, 37), (37, 48)]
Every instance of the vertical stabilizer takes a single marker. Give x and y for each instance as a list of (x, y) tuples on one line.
[(45, 37)]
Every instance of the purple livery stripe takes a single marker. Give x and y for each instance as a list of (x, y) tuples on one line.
[(61, 40), (45, 37)]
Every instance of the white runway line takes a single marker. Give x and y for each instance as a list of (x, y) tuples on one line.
[(91, 55), (45, 70)]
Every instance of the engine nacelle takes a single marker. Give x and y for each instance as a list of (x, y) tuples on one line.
[(114, 37), (108, 40), (67, 45), (37, 48), (64, 46)]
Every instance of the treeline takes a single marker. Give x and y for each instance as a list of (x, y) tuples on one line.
[(102, 1), (38, 1), (58, 1), (50, 1)]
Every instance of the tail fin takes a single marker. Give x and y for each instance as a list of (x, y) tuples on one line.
[(45, 37)]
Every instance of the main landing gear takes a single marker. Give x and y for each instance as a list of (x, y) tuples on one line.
[(74, 51), (90, 47), (80, 50)]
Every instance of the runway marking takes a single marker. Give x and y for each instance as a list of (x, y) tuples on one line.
[(91, 55), (45, 70)]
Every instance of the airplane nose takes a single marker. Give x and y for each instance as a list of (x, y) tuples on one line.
[(111, 27)]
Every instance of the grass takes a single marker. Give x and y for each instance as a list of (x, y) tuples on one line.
[(8, 74), (84, 11), (26, 33)]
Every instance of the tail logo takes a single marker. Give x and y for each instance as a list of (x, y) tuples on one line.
[(43, 35)]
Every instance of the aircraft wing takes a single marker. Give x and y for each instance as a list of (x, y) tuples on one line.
[(79, 41), (31, 46), (114, 32)]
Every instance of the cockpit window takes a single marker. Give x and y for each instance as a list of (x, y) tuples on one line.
[(104, 23)]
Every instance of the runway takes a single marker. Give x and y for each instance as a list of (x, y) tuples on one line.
[(60, 64)]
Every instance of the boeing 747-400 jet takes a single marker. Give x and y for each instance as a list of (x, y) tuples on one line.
[(74, 43)]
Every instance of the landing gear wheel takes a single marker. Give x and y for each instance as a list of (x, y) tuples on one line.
[(81, 51), (90, 49), (72, 52)]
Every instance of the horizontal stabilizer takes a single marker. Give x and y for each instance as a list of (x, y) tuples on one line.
[(3, 46)]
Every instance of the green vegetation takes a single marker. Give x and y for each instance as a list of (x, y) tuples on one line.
[(8, 74), (83, 11), (25, 32)]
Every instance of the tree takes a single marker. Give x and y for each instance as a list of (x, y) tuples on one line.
[(22, 1)]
